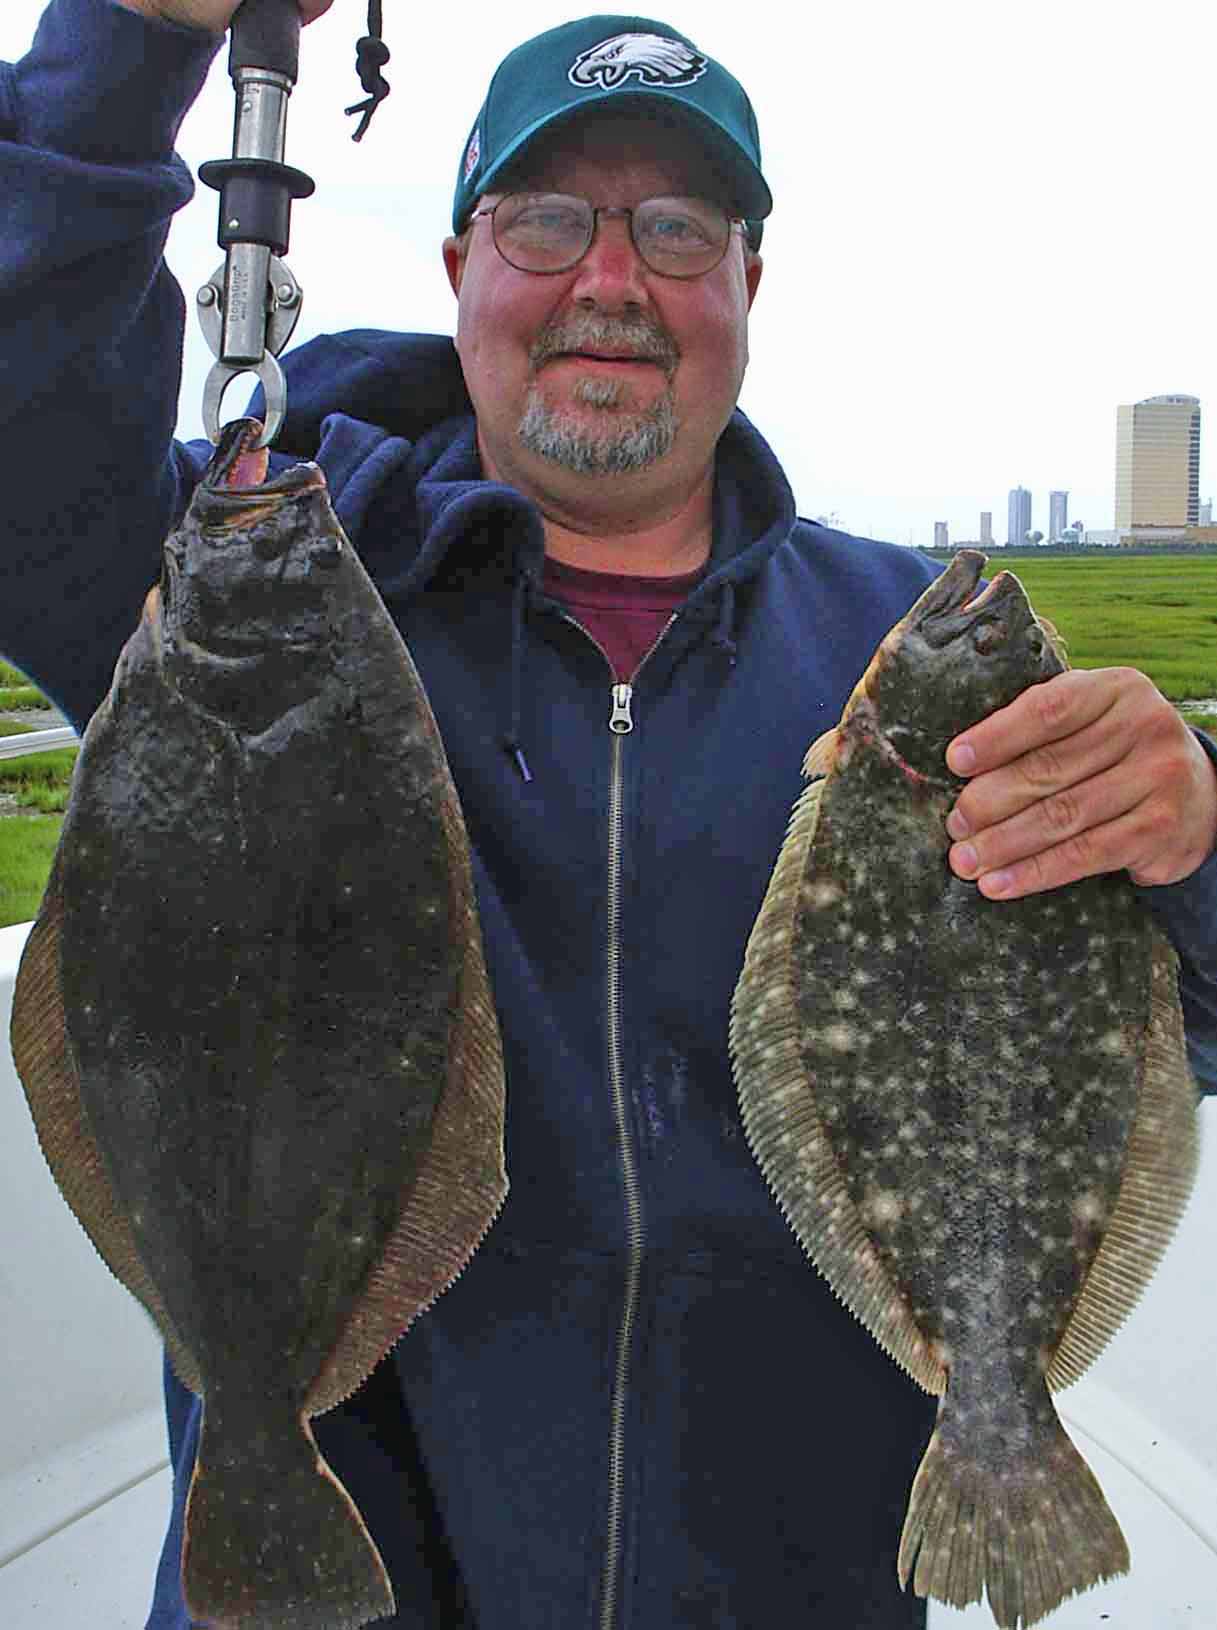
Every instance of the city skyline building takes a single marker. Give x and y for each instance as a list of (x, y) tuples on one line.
[(1018, 515), (1058, 515), (986, 528), (1157, 464), (941, 540)]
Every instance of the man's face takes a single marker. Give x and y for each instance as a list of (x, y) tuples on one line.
[(608, 367)]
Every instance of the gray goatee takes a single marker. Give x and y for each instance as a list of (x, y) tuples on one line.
[(627, 439)]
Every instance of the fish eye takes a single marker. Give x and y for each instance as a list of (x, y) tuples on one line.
[(986, 637)]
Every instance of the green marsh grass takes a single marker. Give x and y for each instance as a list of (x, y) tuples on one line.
[(15, 697), (38, 780), (1159, 615), (27, 847), (17, 692)]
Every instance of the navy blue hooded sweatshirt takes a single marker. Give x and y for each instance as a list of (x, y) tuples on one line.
[(639, 1408)]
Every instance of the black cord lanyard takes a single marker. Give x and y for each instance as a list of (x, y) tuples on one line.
[(371, 54)]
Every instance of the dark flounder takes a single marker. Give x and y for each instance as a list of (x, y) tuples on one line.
[(977, 1116), (254, 1025)]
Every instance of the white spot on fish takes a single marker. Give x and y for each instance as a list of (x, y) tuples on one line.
[(823, 894), (841, 1037), (1088, 1208), (885, 1207)]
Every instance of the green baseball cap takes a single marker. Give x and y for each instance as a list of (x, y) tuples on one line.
[(601, 62)]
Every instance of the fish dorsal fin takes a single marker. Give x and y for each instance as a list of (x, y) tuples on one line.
[(461, 1184), (1159, 1168), (1055, 639), (44, 1064), (783, 1127), (822, 753)]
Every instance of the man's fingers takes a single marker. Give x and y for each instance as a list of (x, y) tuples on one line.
[(1043, 772), (1087, 773), (1092, 827), (1048, 712)]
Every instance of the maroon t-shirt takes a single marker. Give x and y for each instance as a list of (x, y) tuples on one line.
[(625, 615)]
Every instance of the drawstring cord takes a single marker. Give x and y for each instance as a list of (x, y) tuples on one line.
[(511, 741), (371, 54), (722, 638)]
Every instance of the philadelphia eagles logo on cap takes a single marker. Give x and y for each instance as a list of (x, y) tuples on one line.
[(650, 57), (473, 152)]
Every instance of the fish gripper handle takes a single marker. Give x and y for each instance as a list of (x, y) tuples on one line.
[(255, 199), (266, 34)]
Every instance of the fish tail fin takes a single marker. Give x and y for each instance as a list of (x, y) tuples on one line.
[(272, 1538), (1031, 1535)]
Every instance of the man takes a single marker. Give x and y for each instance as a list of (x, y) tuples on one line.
[(639, 1407)]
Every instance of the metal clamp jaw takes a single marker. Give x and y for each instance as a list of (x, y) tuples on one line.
[(251, 304), (244, 274)]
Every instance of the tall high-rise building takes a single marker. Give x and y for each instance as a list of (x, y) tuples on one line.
[(1058, 515), (986, 529), (1018, 515), (941, 540), (1158, 463)]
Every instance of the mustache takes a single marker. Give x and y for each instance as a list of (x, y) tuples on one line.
[(638, 336)]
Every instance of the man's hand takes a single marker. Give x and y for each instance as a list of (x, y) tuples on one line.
[(1089, 772), (213, 15)]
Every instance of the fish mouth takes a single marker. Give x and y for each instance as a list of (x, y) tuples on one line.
[(234, 494), (244, 579), (950, 607), (236, 476)]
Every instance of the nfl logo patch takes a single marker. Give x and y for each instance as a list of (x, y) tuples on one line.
[(472, 153)]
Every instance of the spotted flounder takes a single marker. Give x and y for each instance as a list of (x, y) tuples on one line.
[(976, 1115), (254, 1025)]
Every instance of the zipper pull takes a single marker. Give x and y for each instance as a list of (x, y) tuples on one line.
[(620, 720)]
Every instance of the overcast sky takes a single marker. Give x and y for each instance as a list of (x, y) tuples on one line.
[(992, 225)]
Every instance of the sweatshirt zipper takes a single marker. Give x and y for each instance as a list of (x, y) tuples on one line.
[(621, 724)]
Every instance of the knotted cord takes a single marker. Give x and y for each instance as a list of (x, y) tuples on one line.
[(371, 54)]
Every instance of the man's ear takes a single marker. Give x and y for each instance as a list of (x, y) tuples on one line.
[(752, 276), (454, 263)]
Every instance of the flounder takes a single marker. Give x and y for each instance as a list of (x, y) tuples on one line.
[(254, 1025), (976, 1115)]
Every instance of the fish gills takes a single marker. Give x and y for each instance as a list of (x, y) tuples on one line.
[(977, 1116), (254, 1025)]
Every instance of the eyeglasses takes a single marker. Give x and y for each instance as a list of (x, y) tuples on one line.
[(551, 232)]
